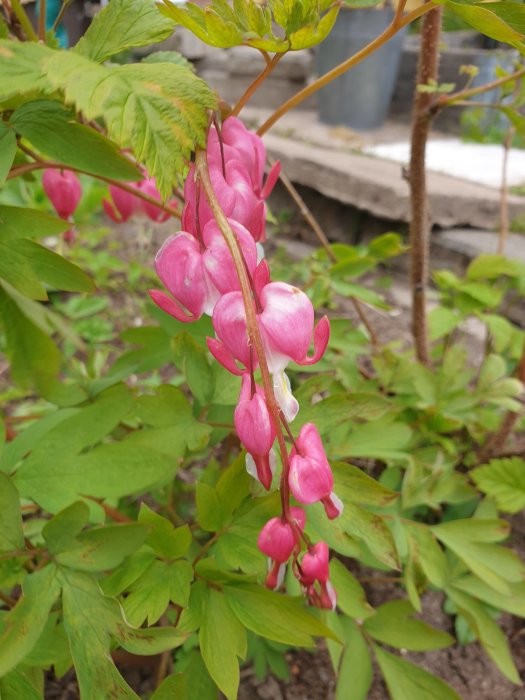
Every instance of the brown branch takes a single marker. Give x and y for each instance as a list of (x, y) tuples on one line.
[(419, 220), (397, 23), (42, 21), (10, 602), (270, 65), (40, 165)]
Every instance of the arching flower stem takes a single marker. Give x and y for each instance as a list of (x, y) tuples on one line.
[(254, 335)]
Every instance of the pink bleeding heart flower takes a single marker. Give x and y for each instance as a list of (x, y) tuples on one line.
[(63, 189), (311, 477), (180, 266), (245, 145), (149, 187), (217, 257), (255, 427), (122, 204), (229, 322), (278, 540), (315, 567), (287, 324)]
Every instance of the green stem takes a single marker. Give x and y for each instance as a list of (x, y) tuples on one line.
[(397, 23), (461, 95), (254, 335), (22, 17)]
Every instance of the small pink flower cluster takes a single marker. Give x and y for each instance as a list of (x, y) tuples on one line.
[(122, 204), (63, 189), (196, 267)]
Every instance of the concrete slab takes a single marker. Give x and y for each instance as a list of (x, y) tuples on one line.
[(377, 185)]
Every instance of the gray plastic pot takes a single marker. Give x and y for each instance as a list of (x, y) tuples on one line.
[(361, 97)]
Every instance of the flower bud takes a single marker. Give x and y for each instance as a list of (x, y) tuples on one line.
[(278, 540), (311, 477), (63, 190), (252, 419)]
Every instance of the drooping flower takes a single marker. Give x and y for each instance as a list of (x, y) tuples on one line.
[(217, 258), (148, 186), (63, 189), (122, 205), (180, 266), (311, 477), (255, 428), (315, 568), (278, 540)]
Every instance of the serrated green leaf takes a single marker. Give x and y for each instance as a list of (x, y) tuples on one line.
[(404, 680), (169, 57), (487, 267), (167, 541), (222, 640), (24, 624), (314, 33), (54, 132), (394, 625), (157, 110), (11, 533), (112, 30), (503, 480), (20, 67), (488, 632), (7, 150)]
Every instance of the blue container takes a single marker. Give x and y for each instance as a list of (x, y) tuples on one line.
[(361, 97)]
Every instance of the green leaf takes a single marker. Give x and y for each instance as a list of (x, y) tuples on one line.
[(173, 686), (193, 362), (488, 632), (471, 540), (15, 685), (122, 25), (394, 625), (61, 531), (379, 439), (404, 680), (354, 485), (53, 269), (103, 548), (222, 639), (442, 321), (24, 624), (21, 222), (54, 132), (428, 554), (7, 150), (158, 110), (209, 509), (274, 616), (487, 21), (488, 267), (169, 57), (339, 408), (504, 480), (20, 67), (34, 357), (371, 528), (355, 666), (513, 603), (167, 541), (351, 598), (11, 533)]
